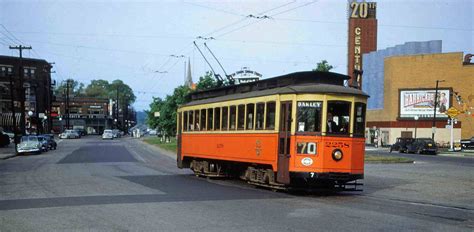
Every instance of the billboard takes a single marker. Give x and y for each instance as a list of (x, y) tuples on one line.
[(421, 103)]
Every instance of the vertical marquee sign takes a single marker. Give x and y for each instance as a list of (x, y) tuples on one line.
[(362, 37)]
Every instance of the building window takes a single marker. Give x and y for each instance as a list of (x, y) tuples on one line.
[(270, 116), (338, 117), (217, 118), (309, 116), (241, 117), (225, 118)]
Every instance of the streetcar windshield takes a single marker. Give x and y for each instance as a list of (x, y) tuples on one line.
[(309, 116), (338, 117)]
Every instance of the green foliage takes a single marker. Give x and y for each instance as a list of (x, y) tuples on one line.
[(206, 82), (323, 66), (75, 88), (169, 105), (99, 89)]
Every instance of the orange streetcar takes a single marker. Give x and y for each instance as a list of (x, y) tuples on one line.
[(299, 130)]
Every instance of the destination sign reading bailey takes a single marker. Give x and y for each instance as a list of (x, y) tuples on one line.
[(421, 103)]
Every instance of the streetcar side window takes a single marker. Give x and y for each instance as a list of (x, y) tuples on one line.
[(233, 117), (309, 116), (191, 122), (270, 116), (185, 121), (203, 120), (359, 119), (210, 116), (250, 117), (217, 118), (338, 117), (197, 124), (260, 116), (241, 117), (225, 118)]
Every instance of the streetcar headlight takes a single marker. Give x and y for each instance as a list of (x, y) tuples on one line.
[(337, 155)]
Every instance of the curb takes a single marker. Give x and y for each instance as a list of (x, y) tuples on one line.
[(7, 157)]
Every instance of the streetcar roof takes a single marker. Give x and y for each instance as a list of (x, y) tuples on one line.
[(299, 89), (300, 82)]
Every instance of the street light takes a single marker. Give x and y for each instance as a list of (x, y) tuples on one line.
[(434, 113), (30, 114), (416, 120)]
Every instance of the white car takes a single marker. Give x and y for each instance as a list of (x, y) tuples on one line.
[(69, 134), (108, 134)]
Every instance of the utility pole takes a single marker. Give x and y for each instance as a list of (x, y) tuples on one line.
[(22, 89), (12, 101), (67, 104), (434, 114), (117, 108)]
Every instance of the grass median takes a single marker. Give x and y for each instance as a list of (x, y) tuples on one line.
[(172, 146), (156, 141), (385, 159)]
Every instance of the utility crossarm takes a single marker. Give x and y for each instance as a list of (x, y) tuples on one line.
[(229, 77), (220, 81)]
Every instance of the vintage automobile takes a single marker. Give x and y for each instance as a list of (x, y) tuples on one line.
[(401, 144), (423, 145), (44, 143), (4, 140), (467, 144), (108, 134), (69, 134), (29, 144), (51, 143)]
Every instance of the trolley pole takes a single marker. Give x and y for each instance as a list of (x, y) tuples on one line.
[(22, 89)]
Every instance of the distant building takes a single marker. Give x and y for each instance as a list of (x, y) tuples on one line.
[(403, 103), (38, 93), (90, 114), (188, 81)]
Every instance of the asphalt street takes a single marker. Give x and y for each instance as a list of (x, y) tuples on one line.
[(125, 185)]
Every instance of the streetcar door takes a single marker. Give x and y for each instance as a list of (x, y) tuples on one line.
[(179, 131), (283, 174)]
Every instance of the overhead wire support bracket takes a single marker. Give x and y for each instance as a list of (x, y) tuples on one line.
[(228, 77), (220, 81)]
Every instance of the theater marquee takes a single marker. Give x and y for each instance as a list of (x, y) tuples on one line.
[(421, 103)]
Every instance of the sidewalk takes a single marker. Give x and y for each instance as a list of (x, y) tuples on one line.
[(457, 154), (7, 152)]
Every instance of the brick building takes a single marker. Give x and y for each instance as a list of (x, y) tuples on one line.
[(406, 106), (38, 94), (90, 114)]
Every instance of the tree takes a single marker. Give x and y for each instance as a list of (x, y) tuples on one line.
[(104, 89), (206, 82), (98, 88), (323, 66), (75, 88)]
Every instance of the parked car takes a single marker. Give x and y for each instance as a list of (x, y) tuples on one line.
[(467, 144), (81, 131), (108, 134), (116, 133), (28, 144), (44, 143), (4, 140), (423, 145), (69, 134), (401, 144), (51, 143)]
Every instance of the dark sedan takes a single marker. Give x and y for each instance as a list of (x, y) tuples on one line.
[(51, 142), (401, 144), (423, 145)]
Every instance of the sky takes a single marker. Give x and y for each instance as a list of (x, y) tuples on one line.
[(142, 42)]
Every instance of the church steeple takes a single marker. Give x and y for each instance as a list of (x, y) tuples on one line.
[(189, 79)]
